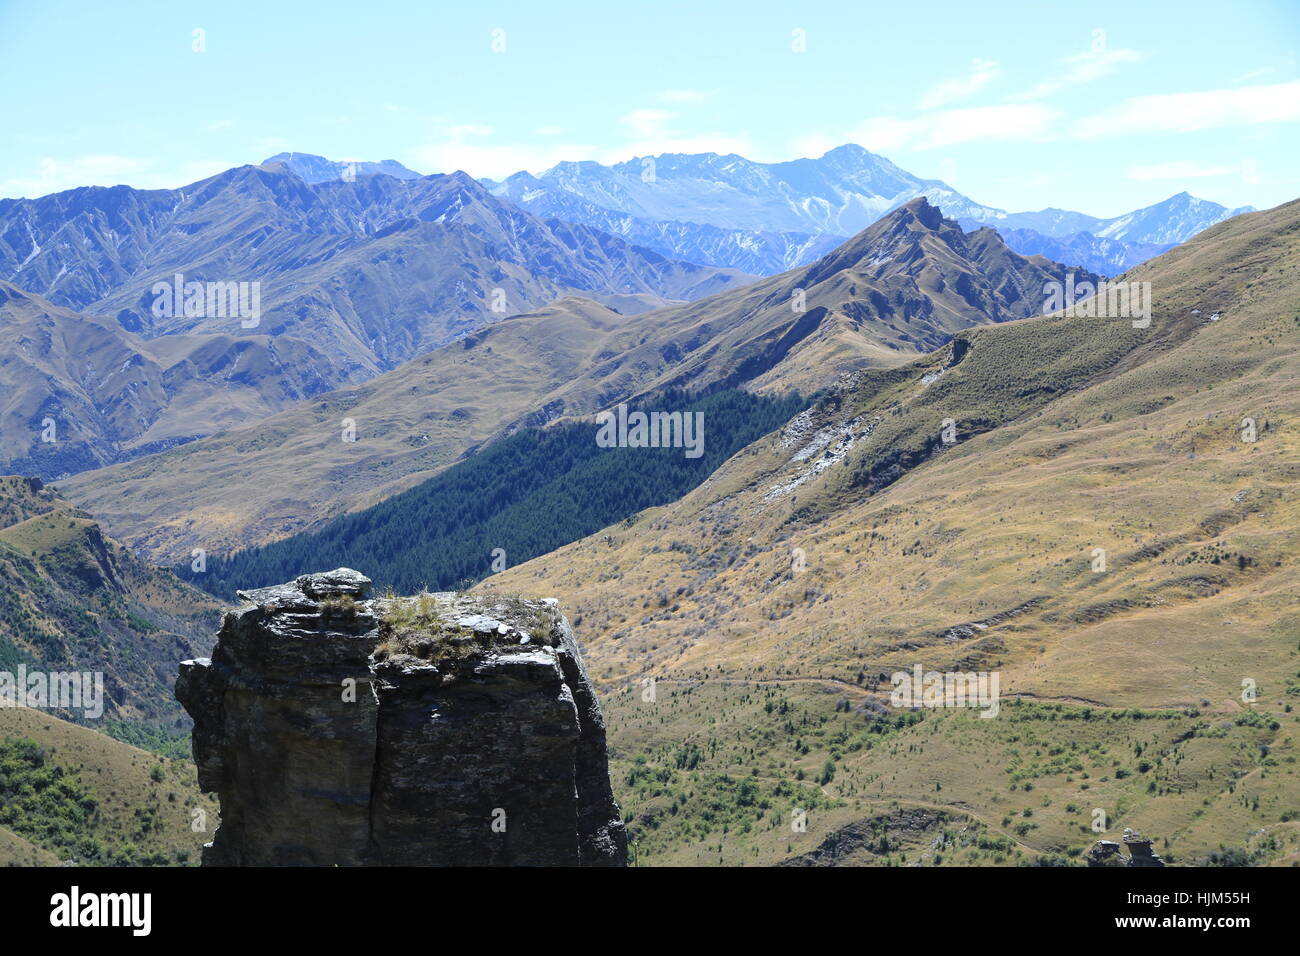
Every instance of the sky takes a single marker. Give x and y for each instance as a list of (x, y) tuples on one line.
[(1100, 107)]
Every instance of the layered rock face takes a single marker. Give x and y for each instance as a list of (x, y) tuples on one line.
[(444, 730)]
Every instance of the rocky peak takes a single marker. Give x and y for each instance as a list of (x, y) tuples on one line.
[(442, 729)]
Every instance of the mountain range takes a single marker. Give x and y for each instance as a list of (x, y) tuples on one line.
[(902, 287), (767, 217), (317, 169), (357, 274), (351, 279)]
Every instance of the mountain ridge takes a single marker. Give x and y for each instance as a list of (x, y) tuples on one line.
[(774, 210), (348, 280), (904, 286)]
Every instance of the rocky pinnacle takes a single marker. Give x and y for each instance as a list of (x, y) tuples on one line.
[(443, 729)]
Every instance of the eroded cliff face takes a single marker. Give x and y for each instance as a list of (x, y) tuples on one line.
[(439, 730)]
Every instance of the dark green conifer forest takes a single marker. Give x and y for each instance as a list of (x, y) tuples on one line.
[(526, 494)]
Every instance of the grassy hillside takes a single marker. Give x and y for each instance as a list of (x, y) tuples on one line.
[(713, 773), (856, 542), (70, 794)]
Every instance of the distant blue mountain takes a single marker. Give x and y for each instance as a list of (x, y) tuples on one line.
[(318, 169), (768, 217), (764, 218)]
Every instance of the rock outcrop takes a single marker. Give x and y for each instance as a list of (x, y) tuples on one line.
[(1108, 853), (1140, 852), (444, 729)]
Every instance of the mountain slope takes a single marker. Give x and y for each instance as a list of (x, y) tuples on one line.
[(1107, 246), (1174, 220), (762, 217), (102, 250), (80, 391), (902, 287), (1169, 222), (293, 470), (1035, 400), (1072, 434), (522, 496), (840, 193), (73, 599), (1108, 257)]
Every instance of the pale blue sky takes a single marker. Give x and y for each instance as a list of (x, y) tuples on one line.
[(1098, 106)]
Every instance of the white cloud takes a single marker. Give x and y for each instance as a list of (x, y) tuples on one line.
[(1252, 75), (651, 135), (647, 122), (270, 145), (1179, 169), (814, 145), (470, 147), (1186, 112), (1084, 68), (982, 73)]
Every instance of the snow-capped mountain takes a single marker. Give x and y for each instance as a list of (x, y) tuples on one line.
[(1107, 257), (770, 216), (765, 217), (1166, 223), (762, 252), (840, 193), (1175, 220), (318, 169)]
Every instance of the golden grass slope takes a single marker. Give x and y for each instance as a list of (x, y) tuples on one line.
[(1074, 434)]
